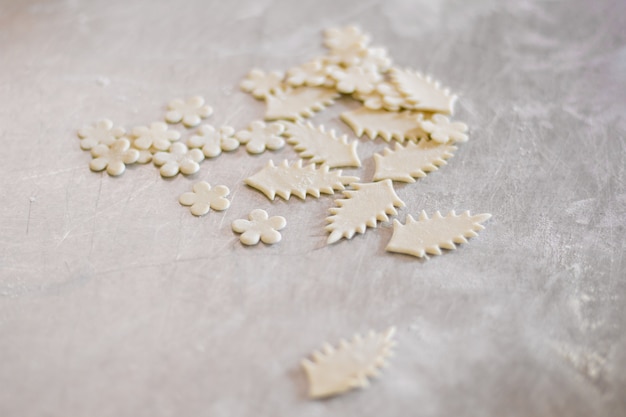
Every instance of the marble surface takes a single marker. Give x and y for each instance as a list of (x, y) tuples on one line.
[(115, 301)]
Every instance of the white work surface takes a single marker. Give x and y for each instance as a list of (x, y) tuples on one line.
[(116, 301)]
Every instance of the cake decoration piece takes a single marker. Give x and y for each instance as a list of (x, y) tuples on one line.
[(343, 38), (203, 198), (361, 208), (260, 136), (387, 125), (414, 160), (284, 180), (178, 159), (113, 157), (102, 132), (314, 73), (425, 93), (261, 84), (157, 136), (430, 235), (259, 227), (333, 371), (190, 112), (356, 79), (297, 103), (440, 129), (322, 146), (213, 142)]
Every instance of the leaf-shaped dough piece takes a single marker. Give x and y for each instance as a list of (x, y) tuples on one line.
[(430, 235), (365, 205), (425, 93), (284, 180), (411, 161), (333, 371), (321, 146), (296, 103), (388, 125)]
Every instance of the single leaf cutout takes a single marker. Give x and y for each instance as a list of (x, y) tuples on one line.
[(363, 206), (411, 161), (321, 146), (425, 93), (388, 125), (296, 103), (333, 371), (430, 235), (284, 180)]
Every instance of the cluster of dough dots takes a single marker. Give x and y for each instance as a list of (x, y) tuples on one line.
[(397, 104)]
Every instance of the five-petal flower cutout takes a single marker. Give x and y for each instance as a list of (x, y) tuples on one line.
[(261, 84), (442, 130), (178, 159), (260, 136), (203, 198), (213, 142), (113, 157), (190, 112), (102, 132), (259, 227), (157, 136)]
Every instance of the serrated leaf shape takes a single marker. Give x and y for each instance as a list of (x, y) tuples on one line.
[(322, 146), (388, 125), (333, 371), (425, 93), (430, 235), (414, 160), (296, 103), (365, 205), (284, 180)]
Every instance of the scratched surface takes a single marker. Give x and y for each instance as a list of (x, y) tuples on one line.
[(115, 301)]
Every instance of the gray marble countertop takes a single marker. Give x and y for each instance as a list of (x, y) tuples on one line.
[(115, 301)]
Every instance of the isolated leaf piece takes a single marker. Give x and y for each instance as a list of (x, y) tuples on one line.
[(296, 103), (414, 160), (387, 125), (333, 371), (425, 93), (430, 235), (363, 206), (284, 180), (322, 146)]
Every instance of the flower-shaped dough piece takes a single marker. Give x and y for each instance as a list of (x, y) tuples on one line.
[(442, 130), (260, 136), (313, 74), (190, 112), (204, 198), (261, 84), (259, 227), (376, 58), (102, 132), (212, 141), (347, 57), (342, 38), (157, 136), (178, 159), (357, 79), (113, 157)]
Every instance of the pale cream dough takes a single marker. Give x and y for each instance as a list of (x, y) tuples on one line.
[(425, 93), (387, 125), (285, 180), (298, 103), (203, 198), (333, 371), (430, 235), (259, 227)]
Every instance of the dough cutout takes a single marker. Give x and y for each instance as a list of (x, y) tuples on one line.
[(261, 84), (178, 159), (259, 227), (322, 146), (190, 112), (102, 132), (285, 180), (361, 209), (412, 161), (441, 130), (425, 93), (113, 157), (387, 125), (430, 235), (260, 136), (203, 198), (298, 103), (333, 371)]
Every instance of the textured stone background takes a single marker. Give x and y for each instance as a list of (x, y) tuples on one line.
[(115, 301)]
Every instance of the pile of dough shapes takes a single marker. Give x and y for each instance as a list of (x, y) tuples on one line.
[(398, 104)]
